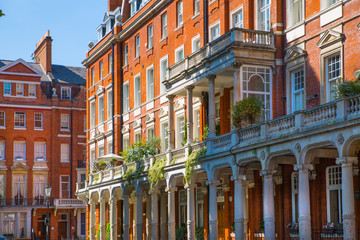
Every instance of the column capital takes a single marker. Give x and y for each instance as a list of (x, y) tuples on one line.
[(226, 188), (113, 199), (154, 191), (236, 65), (238, 178), (170, 97), (267, 173), (347, 160), (102, 200), (189, 87), (125, 196), (303, 167), (204, 190), (171, 189), (190, 186), (212, 183), (92, 202), (211, 76)]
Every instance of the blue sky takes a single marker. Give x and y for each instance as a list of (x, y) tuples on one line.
[(72, 24)]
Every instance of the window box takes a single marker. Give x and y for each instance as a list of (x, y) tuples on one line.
[(39, 159), (19, 158)]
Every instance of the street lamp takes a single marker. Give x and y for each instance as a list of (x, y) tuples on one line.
[(47, 220)]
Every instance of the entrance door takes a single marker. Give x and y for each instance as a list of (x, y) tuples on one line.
[(221, 220), (64, 226), (41, 229)]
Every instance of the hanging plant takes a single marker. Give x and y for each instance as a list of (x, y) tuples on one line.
[(102, 165), (133, 173), (107, 233), (191, 161), (156, 171), (141, 149), (206, 132), (246, 112), (184, 128)]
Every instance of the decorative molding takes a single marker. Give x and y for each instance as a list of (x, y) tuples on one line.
[(330, 37), (294, 53)]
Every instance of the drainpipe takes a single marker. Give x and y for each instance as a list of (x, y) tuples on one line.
[(121, 92), (71, 151), (206, 22), (112, 87)]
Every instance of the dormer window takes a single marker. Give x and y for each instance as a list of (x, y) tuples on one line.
[(101, 31), (134, 6), (65, 93)]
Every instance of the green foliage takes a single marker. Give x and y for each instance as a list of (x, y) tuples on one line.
[(217, 129), (1, 13), (181, 233), (199, 233), (98, 233), (348, 88), (206, 132), (156, 171), (246, 111), (191, 161), (132, 173), (184, 128), (107, 233), (141, 149)]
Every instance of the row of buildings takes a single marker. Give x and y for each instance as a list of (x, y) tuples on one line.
[(174, 69), (42, 143)]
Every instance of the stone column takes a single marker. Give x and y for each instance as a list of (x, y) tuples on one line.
[(237, 81), (190, 211), (213, 222), (239, 206), (212, 114), (102, 202), (348, 207), (163, 222), (304, 201), (268, 205), (154, 214), (92, 219), (126, 216), (189, 113), (139, 216), (245, 209), (113, 221), (148, 216), (171, 212), (171, 131)]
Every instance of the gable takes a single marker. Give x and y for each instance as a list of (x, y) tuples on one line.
[(294, 53), (330, 37), (19, 68)]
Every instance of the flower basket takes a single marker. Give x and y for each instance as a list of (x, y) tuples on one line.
[(114, 162), (102, 165)]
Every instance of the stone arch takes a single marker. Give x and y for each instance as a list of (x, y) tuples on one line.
[(351, 146), (308, 153), (281, 156), (171, 176)]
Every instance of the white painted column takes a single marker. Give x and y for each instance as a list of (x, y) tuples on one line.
[(148, 216), (348, 207), (171, 212), (18, 229), (28, 223), (126, 217), (304, 201), (163, 220), (189, 113), (212, 114), (102, 218), (92, 219), (171, 130), (190, 190), (113, 222), (1, 223), (237, 81), (239, 207), (268, 205), (213, 221), (155, 214), (139, 216)]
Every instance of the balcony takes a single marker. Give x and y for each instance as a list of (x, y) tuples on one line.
[(69, 203), (13, 202)]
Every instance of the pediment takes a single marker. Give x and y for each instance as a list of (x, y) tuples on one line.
[(19, 167), (179, 104), (20, 67), (100, 90), (163, 112), (294, 53), (150, 118), (330, 37), (125, 128), (137, 123)]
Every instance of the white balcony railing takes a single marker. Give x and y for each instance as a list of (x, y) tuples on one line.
[(69, 203)]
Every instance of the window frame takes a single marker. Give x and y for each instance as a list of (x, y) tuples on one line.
[(295, 196), (164, 128), (213, 26), (196, 7), (32, 90), (101, 69), (182, 205), (337, 79), (8, 84), (177, 50), (110, 62), (101, 110), (137, 46), (294, 92), (193, 43), (150, 36), (332, 187), (137, 92), (62, 118), (61, 186), (109, 104), (37, 120), (36, 155), (66, 90), (62, 153), (261, 9), (3, 119), (92, 114), (126, 92), (126, 55), (2, 149), (163, 73), (15, 116), (233, 14), (150, 87), (18, 85), (93, 76), (179, 13), (23, 151), (180, 133), (164, 32), (290, 12)]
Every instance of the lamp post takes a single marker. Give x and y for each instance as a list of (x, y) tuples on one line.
[(47, 220)]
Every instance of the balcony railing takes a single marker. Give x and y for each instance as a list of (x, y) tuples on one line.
[(24, 202), (69, 203), (236, 36)]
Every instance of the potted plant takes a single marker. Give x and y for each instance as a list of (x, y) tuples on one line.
[(114, 161), (294, 228), (232, 227), (339, 228), (328, 228), (246, 112), (102, 165)]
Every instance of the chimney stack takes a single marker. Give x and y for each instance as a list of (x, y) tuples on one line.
[(113, 4), (42, 52)]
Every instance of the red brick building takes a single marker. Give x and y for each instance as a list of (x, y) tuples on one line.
[(42, 132), (173, 69)]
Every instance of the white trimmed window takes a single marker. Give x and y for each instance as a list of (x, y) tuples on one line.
[(199, 208), (264, 15), (164, 136), (109, 147), (150, 133), (64, 151), (196, 7), (39, 187), (333, 75), (2, 119), (38, 121), (92, 114), (92, 75), (110, 58), (237, 19), (296, 13), (109, 105), (66, 93), (9, 223), (2, 150), (195, 43), (197, 124), (126, 142), (164, 25), (64, 186), (101, 109), (19, 187), (137, 100), (179, 13), (19, 89), (328, 3), (182, 208), (126, 55), (20, 119), (19, 150), (101, 70), (180, 124), (101, 151), (150, 31), (298, 84), (2, 188), (150, 83), (295, 196), (40, 151), (137, 46), (214, 31), (179, 54), (163, 69), (7, 88), (137, 137), (32, 90), (126, 103), (333, 194), (64, 122)]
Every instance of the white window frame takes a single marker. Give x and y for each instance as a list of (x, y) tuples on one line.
[(126, 141), (179, 131), (137, 92), (61, 188), (37, 154), (101, 113), (19, 89), (150, 34), (24, 117), (329, 96), (2, 149), (3, 118), (92, 114), (22, 152), (164, 128), (64, 120), (109, 104), (21, 183), (213, 26), (137, 46), (196, 7), (137, 135), (233, 15), (66, 90), (126, 55), (93, 76), (101, 69), (150, 88), (64, 149), (126, 92), (179, 13), (163, 73), (7, 88), (110, 59), (327, 3), (195, 43), (197, 125), (101, 149), (150, 129), (331, 187), (295, 195), (295, 92), (182, 204), (39, 185), (38, 120), (290, 12), (164, 25), (32, 90), (177, 51), (261, 25)]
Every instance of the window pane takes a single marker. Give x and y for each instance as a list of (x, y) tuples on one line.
[(2, 119), (7, 88)]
